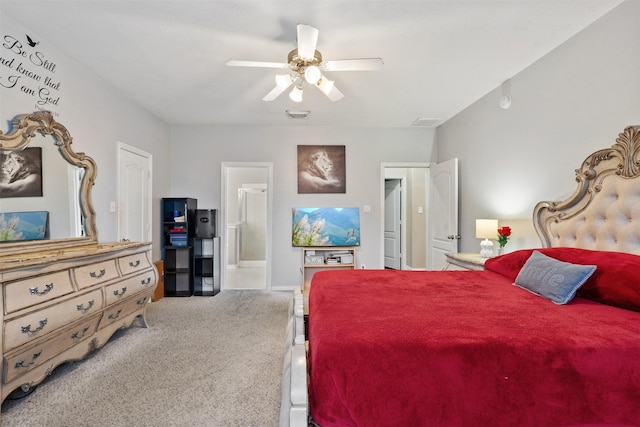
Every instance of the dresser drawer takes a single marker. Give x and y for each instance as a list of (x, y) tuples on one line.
[(120, 311), (24, 361), (35, 290), (130, 286), (24, 329), (132, 263), (89, 275)]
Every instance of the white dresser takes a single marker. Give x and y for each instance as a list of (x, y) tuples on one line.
[(60, 305)]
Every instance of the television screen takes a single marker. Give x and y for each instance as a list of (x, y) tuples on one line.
[(325, 227)]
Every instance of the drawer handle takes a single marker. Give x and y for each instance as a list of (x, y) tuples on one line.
[(21, 364), (141, 301), (97, 275), (120, 293), (115, 315), (27, 329), (78, 334), (145, 281), (134, 264), (47, 289), (81, 307)]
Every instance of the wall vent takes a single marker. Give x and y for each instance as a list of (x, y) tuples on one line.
[(297, 114)]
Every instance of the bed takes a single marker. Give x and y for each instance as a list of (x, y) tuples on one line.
[(548, 336)]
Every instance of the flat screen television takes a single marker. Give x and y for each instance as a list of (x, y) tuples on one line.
[(315, 227)]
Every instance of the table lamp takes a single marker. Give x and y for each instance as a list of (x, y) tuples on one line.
[(486, 229)]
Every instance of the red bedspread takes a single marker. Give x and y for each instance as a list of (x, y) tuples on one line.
[(465, 348)]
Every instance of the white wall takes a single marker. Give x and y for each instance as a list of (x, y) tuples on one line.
[(199, 150), (96, 115), (570, 103)]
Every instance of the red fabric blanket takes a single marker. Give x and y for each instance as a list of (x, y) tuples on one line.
[(465, 348)]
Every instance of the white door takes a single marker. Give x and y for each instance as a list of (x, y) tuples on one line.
[(134, 194), (443, 218), (392, 224)]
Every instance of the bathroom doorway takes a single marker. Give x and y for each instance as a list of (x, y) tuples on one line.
[(245, 220)]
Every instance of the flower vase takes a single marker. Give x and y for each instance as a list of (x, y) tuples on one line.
[(500, 250)]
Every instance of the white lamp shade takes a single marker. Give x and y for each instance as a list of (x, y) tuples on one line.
[(312, 74), (486, 228), (296, 94), (325, 85)]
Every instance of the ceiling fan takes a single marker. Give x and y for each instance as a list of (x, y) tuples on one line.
[(305, 64)]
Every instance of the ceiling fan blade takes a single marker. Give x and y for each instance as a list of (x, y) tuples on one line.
[(234, 63), (361, 64), (307, 41), (283, 81), (335, 95), (275, 92)]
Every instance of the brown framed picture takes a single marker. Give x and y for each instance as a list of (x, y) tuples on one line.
[(321, 169), (21, 173)]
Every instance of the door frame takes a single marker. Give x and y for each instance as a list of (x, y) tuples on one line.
[(390, 165), (224, 238), (120, 148)]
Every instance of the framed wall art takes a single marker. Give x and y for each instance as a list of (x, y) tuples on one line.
[(21, 173), (321, 169)]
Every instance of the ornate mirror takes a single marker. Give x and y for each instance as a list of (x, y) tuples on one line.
[(45, 187)]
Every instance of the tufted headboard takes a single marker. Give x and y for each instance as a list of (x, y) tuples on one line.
[(604, 211)]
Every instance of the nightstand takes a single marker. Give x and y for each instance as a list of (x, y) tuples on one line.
[(464, 261)]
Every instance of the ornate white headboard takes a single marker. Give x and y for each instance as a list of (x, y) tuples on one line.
[(604, 211)]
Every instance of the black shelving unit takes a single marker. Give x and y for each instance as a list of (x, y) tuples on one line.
[(207, 266), (178, 232), (206, 248)]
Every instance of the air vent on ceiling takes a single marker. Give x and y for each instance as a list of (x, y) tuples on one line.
[(425, 122), (297, 114)]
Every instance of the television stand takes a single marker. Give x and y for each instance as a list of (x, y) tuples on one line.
[(325, 258)]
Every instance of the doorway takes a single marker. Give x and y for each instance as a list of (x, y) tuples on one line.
[(246, 208), (134, 194), (404, 188)]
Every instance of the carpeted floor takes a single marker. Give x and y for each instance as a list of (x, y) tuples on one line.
[(204, 361)]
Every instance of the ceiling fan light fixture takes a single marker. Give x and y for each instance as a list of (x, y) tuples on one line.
[(312, 74), (325, 85), (296, 94)]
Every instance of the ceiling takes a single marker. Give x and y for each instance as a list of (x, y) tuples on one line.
[(439, 56)]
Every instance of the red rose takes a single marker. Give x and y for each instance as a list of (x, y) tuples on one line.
[(505, 231)]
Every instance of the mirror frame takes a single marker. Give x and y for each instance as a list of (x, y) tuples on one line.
[(23, 128)]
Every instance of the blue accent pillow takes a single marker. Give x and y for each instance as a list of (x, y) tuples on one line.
[(554, 280)]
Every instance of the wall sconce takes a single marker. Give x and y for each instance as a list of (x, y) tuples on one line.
[(486, 229)]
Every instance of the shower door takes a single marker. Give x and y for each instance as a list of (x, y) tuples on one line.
[(252, 227)]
